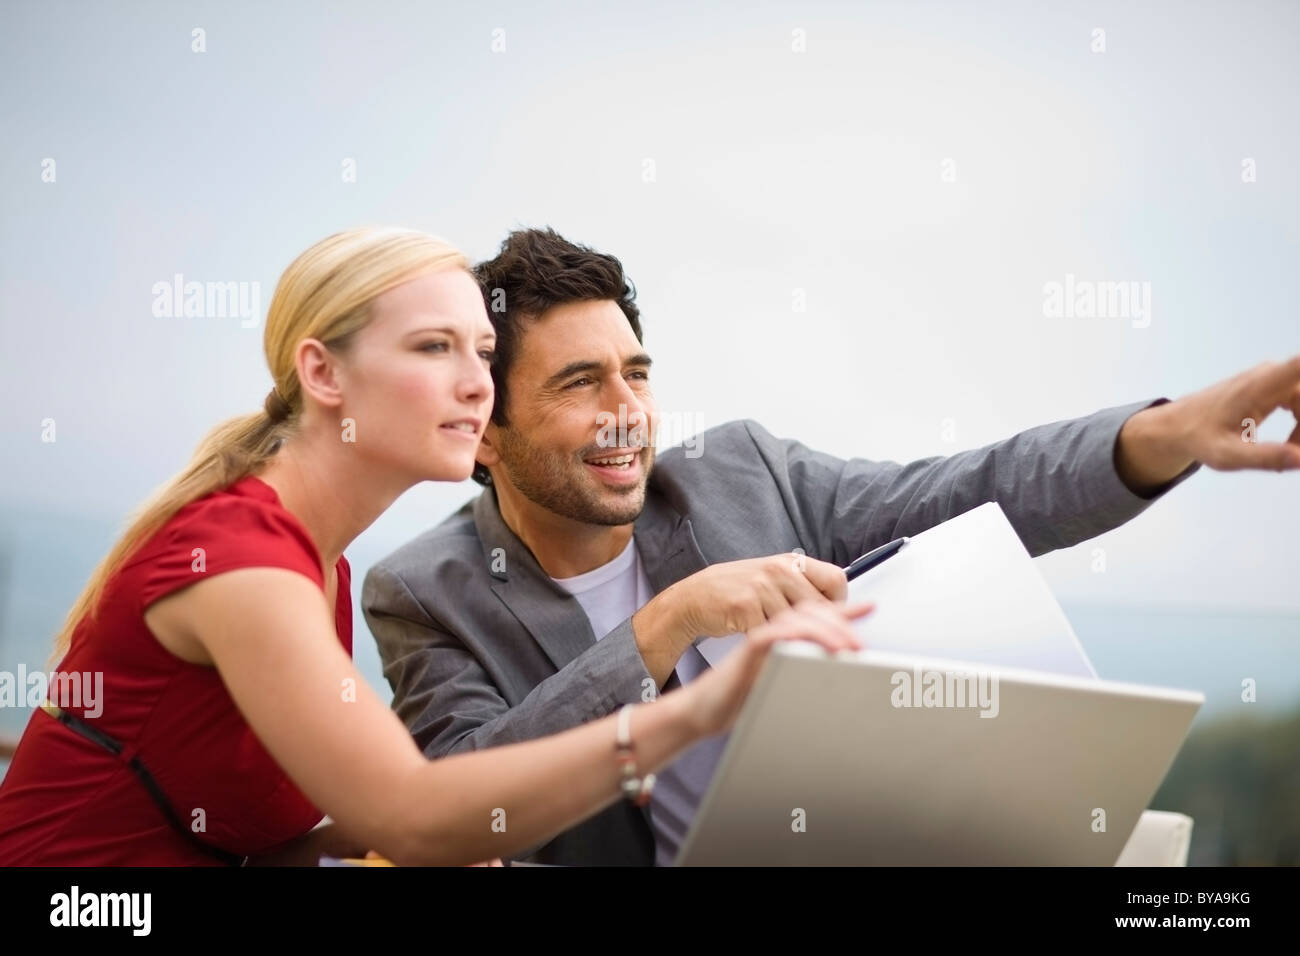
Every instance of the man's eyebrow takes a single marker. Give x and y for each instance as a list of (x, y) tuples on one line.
[(589, 365), (573, 368)]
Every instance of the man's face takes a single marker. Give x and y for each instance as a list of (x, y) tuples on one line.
[(569, 447)]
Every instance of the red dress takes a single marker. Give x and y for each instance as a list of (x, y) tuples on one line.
[(68, 801)]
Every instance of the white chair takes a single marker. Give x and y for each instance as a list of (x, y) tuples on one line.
[(1159, 839)]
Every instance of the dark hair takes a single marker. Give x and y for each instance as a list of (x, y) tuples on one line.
[(535, 270)]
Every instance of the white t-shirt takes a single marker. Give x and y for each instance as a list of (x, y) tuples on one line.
[(613, 592), (610, 594)]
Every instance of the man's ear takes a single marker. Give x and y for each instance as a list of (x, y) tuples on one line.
[(488, 455)]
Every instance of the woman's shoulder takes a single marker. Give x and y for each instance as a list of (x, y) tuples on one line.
[(249, 505), (242, 525)]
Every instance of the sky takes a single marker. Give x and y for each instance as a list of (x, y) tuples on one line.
[(841, 220)]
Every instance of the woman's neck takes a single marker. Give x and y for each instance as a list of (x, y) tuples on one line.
[(325, 484)]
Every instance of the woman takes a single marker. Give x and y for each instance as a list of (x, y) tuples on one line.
[(232, 714)]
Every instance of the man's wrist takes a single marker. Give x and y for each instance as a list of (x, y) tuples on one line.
[(660, 633), (1152, 448)]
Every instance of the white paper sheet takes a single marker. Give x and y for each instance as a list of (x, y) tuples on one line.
[(964, 590), (968, 590)]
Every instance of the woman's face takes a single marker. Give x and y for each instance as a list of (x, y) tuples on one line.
[(416, 380)]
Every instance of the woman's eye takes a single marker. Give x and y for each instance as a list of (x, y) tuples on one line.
[(433, 346), (488, 356)]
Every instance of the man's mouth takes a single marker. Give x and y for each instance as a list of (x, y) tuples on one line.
[(616, 461), (619, 468)]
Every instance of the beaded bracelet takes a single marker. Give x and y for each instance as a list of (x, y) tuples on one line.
[(635, 788)]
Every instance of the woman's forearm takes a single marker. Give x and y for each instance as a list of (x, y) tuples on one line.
[(494, 803)]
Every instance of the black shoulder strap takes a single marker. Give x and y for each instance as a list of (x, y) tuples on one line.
[(97, 736)]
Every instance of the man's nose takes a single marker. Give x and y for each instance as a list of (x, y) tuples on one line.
[(637, 414)]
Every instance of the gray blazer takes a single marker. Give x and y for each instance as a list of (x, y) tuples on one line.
[(482, 648)]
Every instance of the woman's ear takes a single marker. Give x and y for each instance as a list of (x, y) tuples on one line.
[(318, 373)]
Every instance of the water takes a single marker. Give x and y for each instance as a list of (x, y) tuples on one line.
[(1209, 650)]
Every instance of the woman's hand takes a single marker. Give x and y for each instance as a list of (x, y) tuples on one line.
[(720, 692), (325, 840), (372, 855)]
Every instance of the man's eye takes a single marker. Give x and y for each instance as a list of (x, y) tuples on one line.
[(578, 381), (643, 375)]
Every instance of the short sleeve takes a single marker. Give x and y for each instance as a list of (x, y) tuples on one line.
[(223, 533)]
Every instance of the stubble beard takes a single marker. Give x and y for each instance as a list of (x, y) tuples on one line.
[(562, 485)]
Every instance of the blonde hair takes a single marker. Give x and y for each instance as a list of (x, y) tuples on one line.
[(324, 294)]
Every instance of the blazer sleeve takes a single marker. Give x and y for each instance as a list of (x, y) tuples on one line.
[(1057, 484)]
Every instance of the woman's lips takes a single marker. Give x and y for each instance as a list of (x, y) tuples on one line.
[(461, 430)]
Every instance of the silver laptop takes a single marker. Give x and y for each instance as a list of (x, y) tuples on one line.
[(876, 758)]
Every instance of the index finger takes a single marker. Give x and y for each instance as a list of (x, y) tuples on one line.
[(1280, 379), (827, 578)]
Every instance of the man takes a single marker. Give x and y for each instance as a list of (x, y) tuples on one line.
[(583, 576)]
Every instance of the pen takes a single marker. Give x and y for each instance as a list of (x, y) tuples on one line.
[(872, 558)]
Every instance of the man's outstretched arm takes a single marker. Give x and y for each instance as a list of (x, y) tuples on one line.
[(1059, 484)]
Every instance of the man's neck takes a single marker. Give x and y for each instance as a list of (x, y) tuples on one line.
[(563, 547)]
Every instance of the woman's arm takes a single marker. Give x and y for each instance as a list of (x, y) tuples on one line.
[(271, 636)]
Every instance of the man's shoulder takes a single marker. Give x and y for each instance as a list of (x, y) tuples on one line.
[(453, 541), (735, 461), (717, 445)]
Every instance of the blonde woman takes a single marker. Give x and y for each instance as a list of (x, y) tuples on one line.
[(232, 715)]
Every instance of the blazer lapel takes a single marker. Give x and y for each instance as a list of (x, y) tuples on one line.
[(550, 614), (666, 542)]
